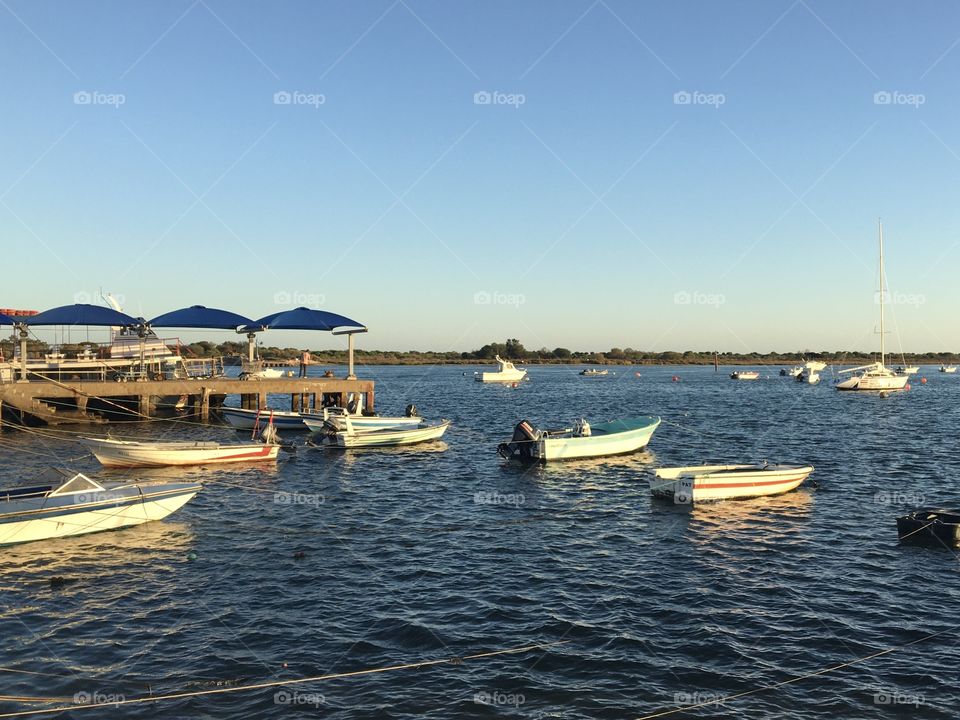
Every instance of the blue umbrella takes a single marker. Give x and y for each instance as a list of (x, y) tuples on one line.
[(302, 318), (81, 315), (198, 316)]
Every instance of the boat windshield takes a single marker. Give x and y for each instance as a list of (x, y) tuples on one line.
[(78, 483)]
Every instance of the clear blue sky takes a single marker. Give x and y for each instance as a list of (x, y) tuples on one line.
[(583, 202)]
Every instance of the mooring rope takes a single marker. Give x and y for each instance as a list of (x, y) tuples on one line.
[(277, 683)]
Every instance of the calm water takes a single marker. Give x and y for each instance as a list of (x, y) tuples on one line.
[(660, 606)]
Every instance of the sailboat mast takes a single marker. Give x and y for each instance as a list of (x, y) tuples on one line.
[(883, 360)]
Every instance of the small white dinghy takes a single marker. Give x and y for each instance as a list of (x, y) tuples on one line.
[(130, 453), (698, 483), (744, 375), (337, 417), (349, 437)]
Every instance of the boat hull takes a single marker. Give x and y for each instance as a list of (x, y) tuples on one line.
[(247, 419), (870, 383), (386, 438), (605, 440), (107, 510), (361, 423), (725, 482), (501, 377), (119, 454)]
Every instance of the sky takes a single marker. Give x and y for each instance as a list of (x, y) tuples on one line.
[(589, 174)]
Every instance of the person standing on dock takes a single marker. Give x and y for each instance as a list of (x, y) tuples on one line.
[(304, 361)]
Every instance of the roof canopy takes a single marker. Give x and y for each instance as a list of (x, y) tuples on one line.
[(302, 318), (80, 315), (198, 316)]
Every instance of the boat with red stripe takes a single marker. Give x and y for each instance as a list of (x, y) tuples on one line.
[(699, 483)]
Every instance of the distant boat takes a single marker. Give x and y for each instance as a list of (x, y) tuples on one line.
[(948, 368), (127, 453), (811, 372), (744, 375), (582, 440), (698, 483), (593, 372), (385, 437), (61, 504), (908, 370), (793, 372), (876, 376), (505, 373)]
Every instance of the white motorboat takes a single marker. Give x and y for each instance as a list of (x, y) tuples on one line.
[(337, 419), (794, 372), (386, 437), (505, 373), (744, 375), (876, 377), (128, 453), (60, 504), (948, 368), (583, 440), (593, 372), (908, 370), (698, 483), (810, 373)]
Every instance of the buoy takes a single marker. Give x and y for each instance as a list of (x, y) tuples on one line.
[(191, 556), (515, 385), (676, 378), (907, 386), (923, 381), (637, 374)]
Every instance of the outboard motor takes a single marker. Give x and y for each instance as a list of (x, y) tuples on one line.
[(522, 442), (581, 428), (411, 411)]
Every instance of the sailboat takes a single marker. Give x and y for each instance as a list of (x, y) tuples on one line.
[(876, 377)]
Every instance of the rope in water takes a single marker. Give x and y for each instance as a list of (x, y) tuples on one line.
[(279, 683), (798, 678)]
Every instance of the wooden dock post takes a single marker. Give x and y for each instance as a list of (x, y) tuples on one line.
[(204, 404)]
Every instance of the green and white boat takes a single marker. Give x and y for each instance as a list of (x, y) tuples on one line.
[(583, 440)]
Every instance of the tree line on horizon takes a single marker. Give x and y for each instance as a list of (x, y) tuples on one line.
[(514, 350)]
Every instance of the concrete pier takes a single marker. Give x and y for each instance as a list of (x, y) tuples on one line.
[(56, 403)]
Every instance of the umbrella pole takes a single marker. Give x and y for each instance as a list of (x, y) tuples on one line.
[(350, 375), (23, 353)]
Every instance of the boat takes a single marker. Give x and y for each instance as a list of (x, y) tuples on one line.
[(61, 504), (744, 375), (948, 368), (349, 437), (129, 453), (505, 373), (337, 418), (930, 526), (582, 440), (593, 372), (908, 370), (698, 483), (795, 371), (249, 419), (876, 377), (811, 372)]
